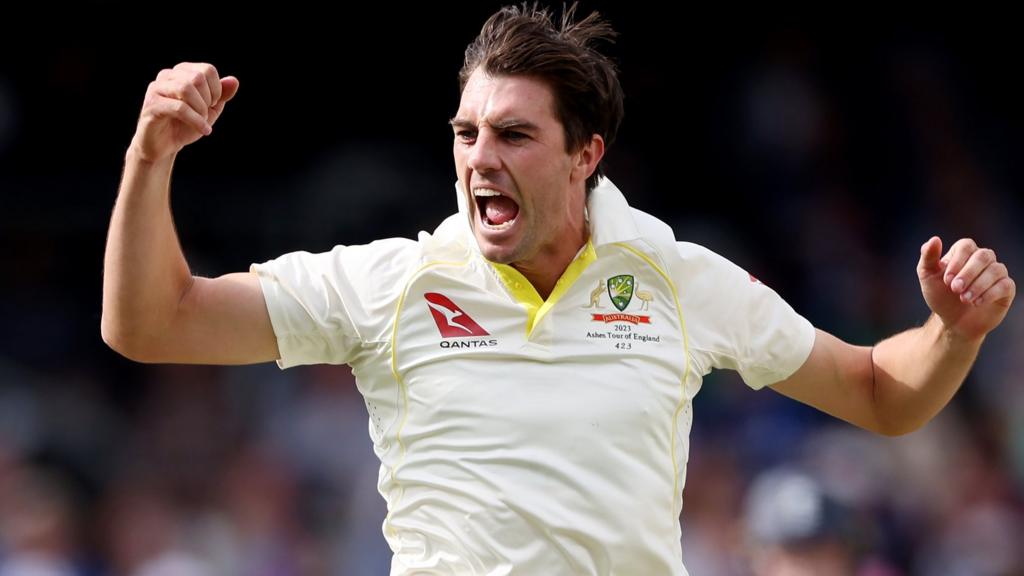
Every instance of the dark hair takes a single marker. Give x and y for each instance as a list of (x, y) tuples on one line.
[(524, 41)]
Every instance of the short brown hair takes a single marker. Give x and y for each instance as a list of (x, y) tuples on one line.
[(524, 41)]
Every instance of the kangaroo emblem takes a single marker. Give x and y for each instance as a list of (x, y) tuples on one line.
[(595, 295), (450, 316)]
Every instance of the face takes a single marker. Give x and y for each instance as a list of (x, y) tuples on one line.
[(525, 192)]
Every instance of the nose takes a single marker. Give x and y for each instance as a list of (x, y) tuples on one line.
[(484, 155)]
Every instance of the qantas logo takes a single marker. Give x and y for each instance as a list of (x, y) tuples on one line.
[(451, 321)]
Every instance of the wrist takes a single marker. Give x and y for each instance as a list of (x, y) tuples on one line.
[(135, 155), (134, 159), (952, 337)]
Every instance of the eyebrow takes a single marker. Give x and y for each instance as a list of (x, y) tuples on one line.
[(499, 125)]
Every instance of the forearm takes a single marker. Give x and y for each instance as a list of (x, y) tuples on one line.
[(145, 272), (901, 383), (917, 372)]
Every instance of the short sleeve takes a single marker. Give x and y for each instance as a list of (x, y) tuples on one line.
[(736, 322), (326, 307)]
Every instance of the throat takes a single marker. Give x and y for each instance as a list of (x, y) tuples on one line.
[(545, 270)]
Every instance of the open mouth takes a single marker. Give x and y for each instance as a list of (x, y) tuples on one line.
[(496, 212)]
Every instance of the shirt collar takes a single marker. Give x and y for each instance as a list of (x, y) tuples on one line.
[(611, 218)]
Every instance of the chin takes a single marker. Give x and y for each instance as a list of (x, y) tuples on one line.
[(496, 253), (504, 249)]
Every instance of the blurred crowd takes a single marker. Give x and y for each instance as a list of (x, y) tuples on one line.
[(818, 167)]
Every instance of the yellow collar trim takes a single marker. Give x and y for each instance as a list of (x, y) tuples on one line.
[(526, 295)]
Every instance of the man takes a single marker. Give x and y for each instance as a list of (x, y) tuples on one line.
[(528, 367)]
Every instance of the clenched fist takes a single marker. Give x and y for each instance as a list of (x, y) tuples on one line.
[(180, 107), (968, 288)]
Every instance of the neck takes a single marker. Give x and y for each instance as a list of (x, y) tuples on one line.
[(546, 267)]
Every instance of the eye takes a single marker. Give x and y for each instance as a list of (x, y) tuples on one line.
[(514, 136), (466, 136)]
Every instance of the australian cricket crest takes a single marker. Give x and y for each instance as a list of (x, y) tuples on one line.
[(620, 290), (623, 328)]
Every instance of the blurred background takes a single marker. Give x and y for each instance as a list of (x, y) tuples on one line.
[(817, 151)]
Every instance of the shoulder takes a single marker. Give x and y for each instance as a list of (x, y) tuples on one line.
[(684, 259), (449, 241), (653, 229), (700, 259)]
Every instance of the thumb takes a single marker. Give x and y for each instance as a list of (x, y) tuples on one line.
[(228, 89), (930, 263)]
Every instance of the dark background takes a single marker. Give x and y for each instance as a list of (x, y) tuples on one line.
[(817, 151)]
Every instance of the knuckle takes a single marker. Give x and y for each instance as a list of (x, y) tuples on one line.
[(963, 246), (185, 92), (177, 90), (150, 101)]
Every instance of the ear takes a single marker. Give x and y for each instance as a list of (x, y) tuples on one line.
[(586, 159)]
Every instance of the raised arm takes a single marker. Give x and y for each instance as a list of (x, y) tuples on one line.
[(154, 310), (902, 382)]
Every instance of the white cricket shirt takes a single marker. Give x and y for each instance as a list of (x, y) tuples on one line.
[(521, 436)]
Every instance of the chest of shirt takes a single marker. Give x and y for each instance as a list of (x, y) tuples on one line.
[(618, 320), (605, 360)]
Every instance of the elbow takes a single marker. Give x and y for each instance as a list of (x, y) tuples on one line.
[(125, 342), (895, 431), (897, 427)]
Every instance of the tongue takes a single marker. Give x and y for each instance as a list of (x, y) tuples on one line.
[(501, 209)]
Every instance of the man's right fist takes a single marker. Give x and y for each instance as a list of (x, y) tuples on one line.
[(181, 106)]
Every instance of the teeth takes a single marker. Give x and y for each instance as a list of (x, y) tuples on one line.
[(486, 192)]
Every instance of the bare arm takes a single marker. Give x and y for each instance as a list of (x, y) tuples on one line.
[(154, 310), (902, 382)]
